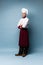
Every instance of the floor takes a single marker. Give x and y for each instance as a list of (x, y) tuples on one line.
[(7, 57)]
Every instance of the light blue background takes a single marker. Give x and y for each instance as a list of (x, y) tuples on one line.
[(10, 13)]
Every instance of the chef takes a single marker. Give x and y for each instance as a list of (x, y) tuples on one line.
[(23, 37)]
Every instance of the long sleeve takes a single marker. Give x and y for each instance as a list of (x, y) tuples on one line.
[(26, 22), (19, 23)]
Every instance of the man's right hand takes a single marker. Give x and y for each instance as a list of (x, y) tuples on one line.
[(20, 27)]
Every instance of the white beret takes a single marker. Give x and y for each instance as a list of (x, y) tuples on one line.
[(24, 10)]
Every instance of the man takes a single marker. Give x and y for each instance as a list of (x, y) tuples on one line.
[(23, 39)]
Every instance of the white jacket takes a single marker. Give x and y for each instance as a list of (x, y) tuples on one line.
[(24, 22)]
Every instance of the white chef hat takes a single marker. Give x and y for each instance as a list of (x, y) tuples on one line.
[(24, 10)]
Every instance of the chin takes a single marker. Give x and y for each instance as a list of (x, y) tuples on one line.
[(23, 16)]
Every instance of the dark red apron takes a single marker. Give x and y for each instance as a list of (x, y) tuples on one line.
[(23, 38)]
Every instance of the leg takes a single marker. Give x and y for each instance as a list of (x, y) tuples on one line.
[(25, 51), (20, 52)]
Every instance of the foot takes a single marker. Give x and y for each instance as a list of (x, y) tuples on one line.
[(18, 54), (23, 55)]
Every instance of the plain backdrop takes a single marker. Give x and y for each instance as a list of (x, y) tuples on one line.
[(10, 13)]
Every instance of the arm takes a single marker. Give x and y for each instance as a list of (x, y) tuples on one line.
[(20, 26), (26, 23)]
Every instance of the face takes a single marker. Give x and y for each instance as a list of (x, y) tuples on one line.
[(23, 15)]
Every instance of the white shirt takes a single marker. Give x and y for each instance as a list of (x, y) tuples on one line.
[(24, 22)]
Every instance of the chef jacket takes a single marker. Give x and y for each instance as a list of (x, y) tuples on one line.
[(24, 22)]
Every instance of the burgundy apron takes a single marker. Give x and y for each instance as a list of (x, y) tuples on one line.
[(23, 38)]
